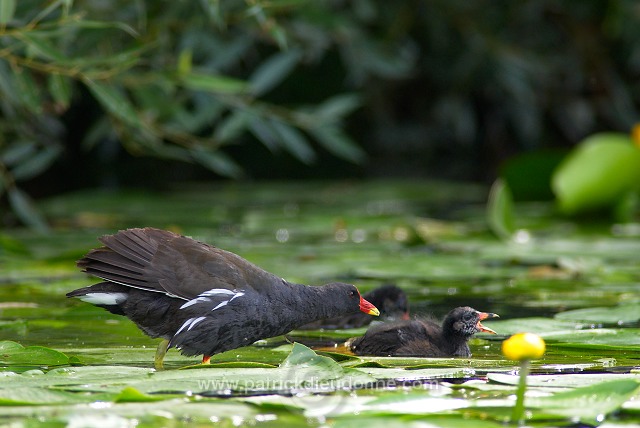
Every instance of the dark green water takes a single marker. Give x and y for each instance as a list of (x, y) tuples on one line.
[(430, 239)]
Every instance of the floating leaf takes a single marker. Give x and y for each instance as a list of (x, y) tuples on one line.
[(590, 403), (132, 395), (622, 314), (14, 354), (39, 396)]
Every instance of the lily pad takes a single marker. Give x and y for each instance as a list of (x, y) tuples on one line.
[(14, 355), (622, 314)]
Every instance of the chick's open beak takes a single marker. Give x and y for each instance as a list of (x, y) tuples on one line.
[(368, 308), (483, 316)]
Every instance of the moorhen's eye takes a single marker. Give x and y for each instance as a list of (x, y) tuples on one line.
[(352, 293)]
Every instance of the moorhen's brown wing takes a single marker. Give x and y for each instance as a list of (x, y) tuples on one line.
[(161, 261)]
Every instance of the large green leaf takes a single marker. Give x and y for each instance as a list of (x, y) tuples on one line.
[(597, 174)]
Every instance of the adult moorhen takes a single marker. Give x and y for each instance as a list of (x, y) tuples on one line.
[(201, 299), (390, 300), (423, 338)]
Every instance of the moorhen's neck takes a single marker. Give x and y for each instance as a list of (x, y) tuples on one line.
[(317, 302), (453, 338)]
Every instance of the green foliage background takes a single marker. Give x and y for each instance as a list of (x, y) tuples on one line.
[(446, 88)]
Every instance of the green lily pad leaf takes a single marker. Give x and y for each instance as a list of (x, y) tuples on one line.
[(598, 338), (426, 421), (38, 396), (417, 376), (306, 368), (14, 354), (561, 381), (622, 314), (597, 174), (132, 395), (10, 346), (423, 402), (589, 403), (302, 369), (231, 365), (537, 325), (337, 356)]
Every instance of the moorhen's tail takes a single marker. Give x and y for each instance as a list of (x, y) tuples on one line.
[(105, 295), (126, 258)]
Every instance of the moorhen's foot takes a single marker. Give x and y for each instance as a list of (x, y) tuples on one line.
[(201, 299), (161, 351), (424, 338)]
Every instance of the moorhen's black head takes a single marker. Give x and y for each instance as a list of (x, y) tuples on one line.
[(345, 298), (465, 321), (391, 301)]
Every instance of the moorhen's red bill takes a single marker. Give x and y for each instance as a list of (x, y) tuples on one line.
[(391, 301), (424, 338), (202, 300)]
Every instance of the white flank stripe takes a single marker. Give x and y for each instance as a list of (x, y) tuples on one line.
[(108, 299), (215, 291), (220, 305), (194, 322), (188, 324), (238, 294), (194, 301)]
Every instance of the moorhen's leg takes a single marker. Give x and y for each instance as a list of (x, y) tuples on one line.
[(160, 353), (206, 359)]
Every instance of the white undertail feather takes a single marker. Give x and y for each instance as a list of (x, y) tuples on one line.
[(105, 299)]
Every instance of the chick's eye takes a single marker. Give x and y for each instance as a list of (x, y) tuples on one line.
[(352, 293)]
